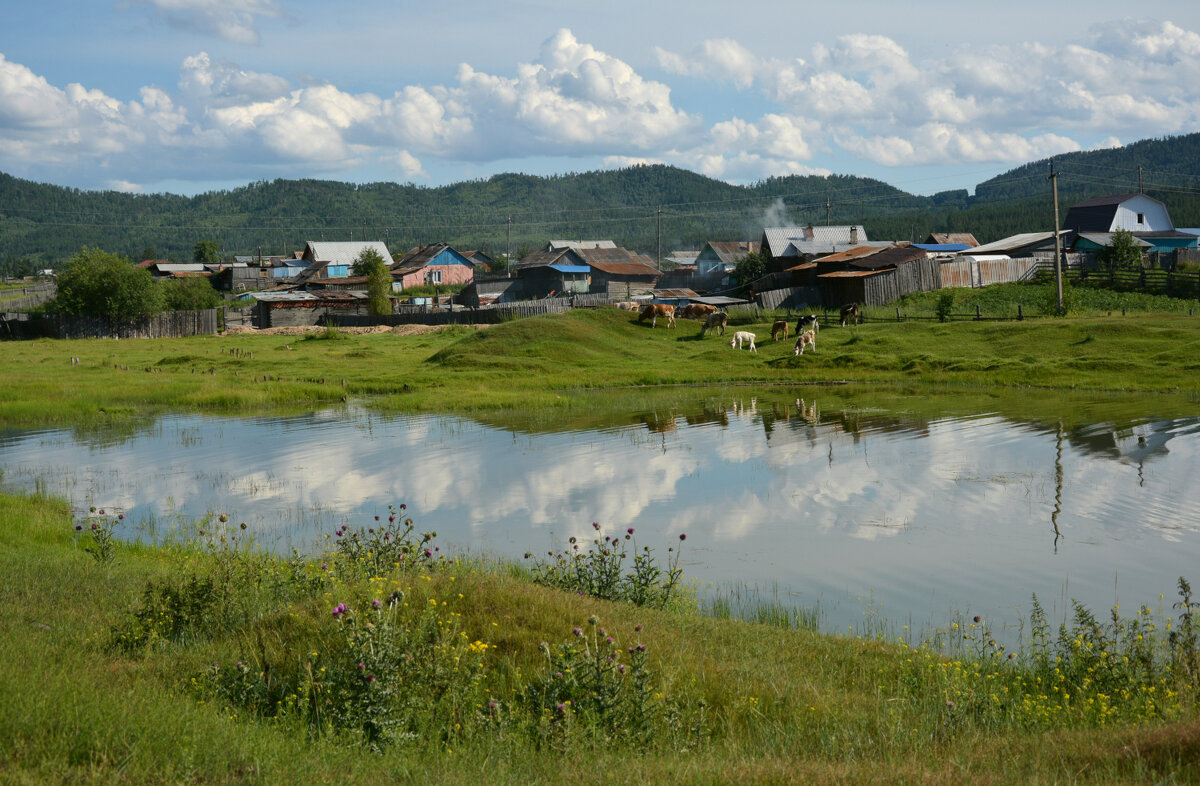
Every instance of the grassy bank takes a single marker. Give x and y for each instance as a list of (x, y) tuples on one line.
[(549, 362), (210, 662)]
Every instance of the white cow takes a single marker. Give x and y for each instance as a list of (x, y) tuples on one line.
[(743, 337)]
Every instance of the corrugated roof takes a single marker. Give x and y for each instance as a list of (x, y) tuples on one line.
[(674, 293), (544, 257), (570, 268), (941, 238), (850, 274), (730, 251), (343, 253), (857, 252), (942, 247), (558, 245), (1020, 241), (617, 261), (890, 257), (179, 267), (1105, 239)]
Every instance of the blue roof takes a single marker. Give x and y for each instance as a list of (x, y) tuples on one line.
[(941, 246), (570, 268)]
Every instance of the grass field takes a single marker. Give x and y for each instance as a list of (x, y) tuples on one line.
[(547, 362)]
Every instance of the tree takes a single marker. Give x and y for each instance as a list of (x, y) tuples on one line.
[(750, 268), (96, 283), (207, 253), (379, 281), (1122, 252), (189, 294)]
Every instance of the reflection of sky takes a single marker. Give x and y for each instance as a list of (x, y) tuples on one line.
[(926, 518)]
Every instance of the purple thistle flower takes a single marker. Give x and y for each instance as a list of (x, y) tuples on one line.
[(641, 647), (120, 517), (101, 511), (403, 506), (78, 527), (683, 536), (493, 705), (428, 553), (608, 640), (377, 518), (376, 603), (577, 631), (392, 517), (361, 665), (621, 668), (370, 678), (630, 530)]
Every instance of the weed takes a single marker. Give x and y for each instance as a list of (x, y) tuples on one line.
[(100, 528), (386, 545), (599, 570)]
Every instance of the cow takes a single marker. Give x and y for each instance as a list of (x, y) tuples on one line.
[(742, 337), (779, 329), (652, 311), (851, 313), (808, 337), (715, 321), (697, 311), (807, 322)]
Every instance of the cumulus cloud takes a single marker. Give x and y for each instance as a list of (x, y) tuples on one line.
[(232, 20), (996, 104)]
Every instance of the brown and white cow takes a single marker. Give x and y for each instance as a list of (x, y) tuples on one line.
[(851, 313), (779, 329), (807, 338), (715, 321), (652, 311), (697, 311)]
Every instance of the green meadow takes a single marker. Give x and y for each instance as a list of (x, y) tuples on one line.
[(379, 659)]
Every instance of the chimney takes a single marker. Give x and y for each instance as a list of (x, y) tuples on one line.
[(854, 236)]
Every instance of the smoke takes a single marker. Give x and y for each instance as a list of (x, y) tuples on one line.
[(776, 215)]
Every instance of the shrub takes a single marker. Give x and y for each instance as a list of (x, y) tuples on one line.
[(98, 284)]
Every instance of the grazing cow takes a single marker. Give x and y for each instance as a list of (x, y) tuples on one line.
[(808, 322), (742, 337), (850, 313), (779, 329), (715, 321), (808, 337), (697, 311), (652, 311)]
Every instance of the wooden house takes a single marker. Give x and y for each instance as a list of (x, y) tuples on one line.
[(437, 264)]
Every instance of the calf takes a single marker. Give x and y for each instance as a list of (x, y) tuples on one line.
[(809, 338), (743, 337), (808, 322), (850, 313), (779, 329), (715, 321)]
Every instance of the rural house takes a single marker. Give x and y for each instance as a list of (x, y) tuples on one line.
[(436, 264), (722, 255), (335, 259)]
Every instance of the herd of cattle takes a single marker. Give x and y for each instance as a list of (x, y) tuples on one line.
[(716, 320)]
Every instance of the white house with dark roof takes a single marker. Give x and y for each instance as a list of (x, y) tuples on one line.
[(1132, 212)]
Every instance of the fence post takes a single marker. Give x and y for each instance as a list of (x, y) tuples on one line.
[(978, 313), (897, 314), (1020, 314)]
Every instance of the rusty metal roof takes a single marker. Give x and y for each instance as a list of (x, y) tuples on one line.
[(890, 257), (850, 274)]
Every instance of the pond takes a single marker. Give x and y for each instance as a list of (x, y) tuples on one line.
[(880, 517)]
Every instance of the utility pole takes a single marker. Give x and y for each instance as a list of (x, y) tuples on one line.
[(660, 237), (827, 206), (508, 248), (1058, 287), (1140, 189)]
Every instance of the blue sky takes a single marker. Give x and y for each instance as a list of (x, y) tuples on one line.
[(191, 95)]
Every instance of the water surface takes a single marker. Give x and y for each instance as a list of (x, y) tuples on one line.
[(870, 514)]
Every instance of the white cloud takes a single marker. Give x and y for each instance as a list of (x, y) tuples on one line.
[(232, 20)]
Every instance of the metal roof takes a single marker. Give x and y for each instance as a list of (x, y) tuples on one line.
[(850, 274), (180, 268), (675, 293), (1105, 239), (729, 251), (1015, 242), (344, 253), (942, 247), (890, 257), (719, 300), (570, 268), (558, 245), (788, 241)]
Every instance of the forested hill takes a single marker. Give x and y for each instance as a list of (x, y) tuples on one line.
[(41, 225)]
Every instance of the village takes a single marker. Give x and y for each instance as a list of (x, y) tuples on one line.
[(802, 266)]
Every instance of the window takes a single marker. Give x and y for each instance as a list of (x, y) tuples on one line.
[(433, 276), (1141, 218)]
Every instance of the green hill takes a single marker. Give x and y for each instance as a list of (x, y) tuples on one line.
[(40, 225)]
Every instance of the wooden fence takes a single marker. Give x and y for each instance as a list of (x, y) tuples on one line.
[(485, 315), (171, 324), (32, 296), (791, 298), (1183, 284)]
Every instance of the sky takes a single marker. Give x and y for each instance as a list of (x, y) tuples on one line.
[(187, 96)]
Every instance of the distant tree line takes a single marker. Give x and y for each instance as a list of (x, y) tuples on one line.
[(43, 225)]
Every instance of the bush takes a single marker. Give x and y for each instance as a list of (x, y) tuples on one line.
[(98, 284), (189, 294)]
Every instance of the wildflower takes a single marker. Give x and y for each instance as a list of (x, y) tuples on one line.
[(361, 665), (78, 527), (949, 704), (377, 518), (493, 705), (242, 525), (608, 640), (120, 517), (978, 618), (577, 631), (621, 668), (403, 506), (641, 647), (683, 536), (370, 678), (593, 620), (222, 518), (629, 531), (638, 628)]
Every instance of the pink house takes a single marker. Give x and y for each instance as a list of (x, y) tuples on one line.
[(434, 264)]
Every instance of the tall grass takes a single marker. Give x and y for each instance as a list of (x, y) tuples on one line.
[(343, 668)]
